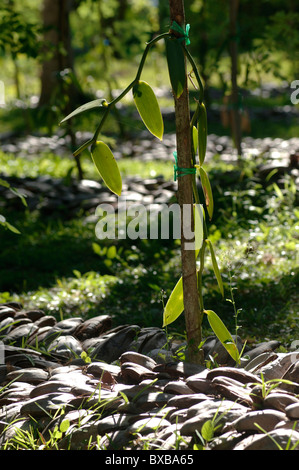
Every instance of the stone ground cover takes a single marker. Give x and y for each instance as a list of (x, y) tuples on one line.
[(90, 386)]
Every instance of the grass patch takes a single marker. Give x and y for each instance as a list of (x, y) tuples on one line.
[(57, 166)]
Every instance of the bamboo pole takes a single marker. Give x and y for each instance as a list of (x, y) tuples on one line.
[(185, 199)]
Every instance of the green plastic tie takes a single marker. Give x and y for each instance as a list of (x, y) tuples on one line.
[(185, 34), (178, 171)]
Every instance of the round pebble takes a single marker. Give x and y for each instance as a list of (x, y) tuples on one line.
[(266, 419), (292, 411)]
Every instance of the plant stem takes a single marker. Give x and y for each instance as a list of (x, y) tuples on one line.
[(195, 70), (185, 199), (122, 94), (232, 300)]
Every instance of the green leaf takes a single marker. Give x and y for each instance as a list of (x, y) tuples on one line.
[(278, 191), (148, 108), (176, 66), (195, 139), (207, 430), (207, 191), (202, 127), (215, 267), (107, 166), (85, 357), (101, 103), (154, 287), (56, 434), (4, 183), (175, 304), (20, 195), (15, 191), (77, 273), (223, 334), (97, 249), (6, 224), (12, 228), (111, 252), (65, 424), (108, 263), (198, 224)]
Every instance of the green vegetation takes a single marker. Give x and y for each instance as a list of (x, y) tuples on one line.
[(58, 264), (53, 263)]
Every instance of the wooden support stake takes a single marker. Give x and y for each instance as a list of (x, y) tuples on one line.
[(185, 199)]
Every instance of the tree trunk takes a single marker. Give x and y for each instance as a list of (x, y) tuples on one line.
[(57, 36), (55, 17), (233, 49), (185, 197)]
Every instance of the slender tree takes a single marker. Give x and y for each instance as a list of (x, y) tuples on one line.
[(59, 61), (185, 198), (58, 52), (234, 98)]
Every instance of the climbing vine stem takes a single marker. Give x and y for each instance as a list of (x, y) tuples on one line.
[(112, 103)]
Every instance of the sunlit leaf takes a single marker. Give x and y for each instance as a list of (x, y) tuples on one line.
[(101, 103), (176, 66), (4, 183), (12, 228), (108, 263), (278, 191), (85, 357), (207, 191), (175, 304), (223, 334), (207, 430), (77, 273), (107, 166), (195, 139), (202, 127), (215, 267), (97, 249), (111, 252), (56, 434), (148, 108), (6, 224), (64, 425), (198, 228)]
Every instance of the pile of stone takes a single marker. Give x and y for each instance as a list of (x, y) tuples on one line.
[(126, 388), (53, 196), (146, 148)]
